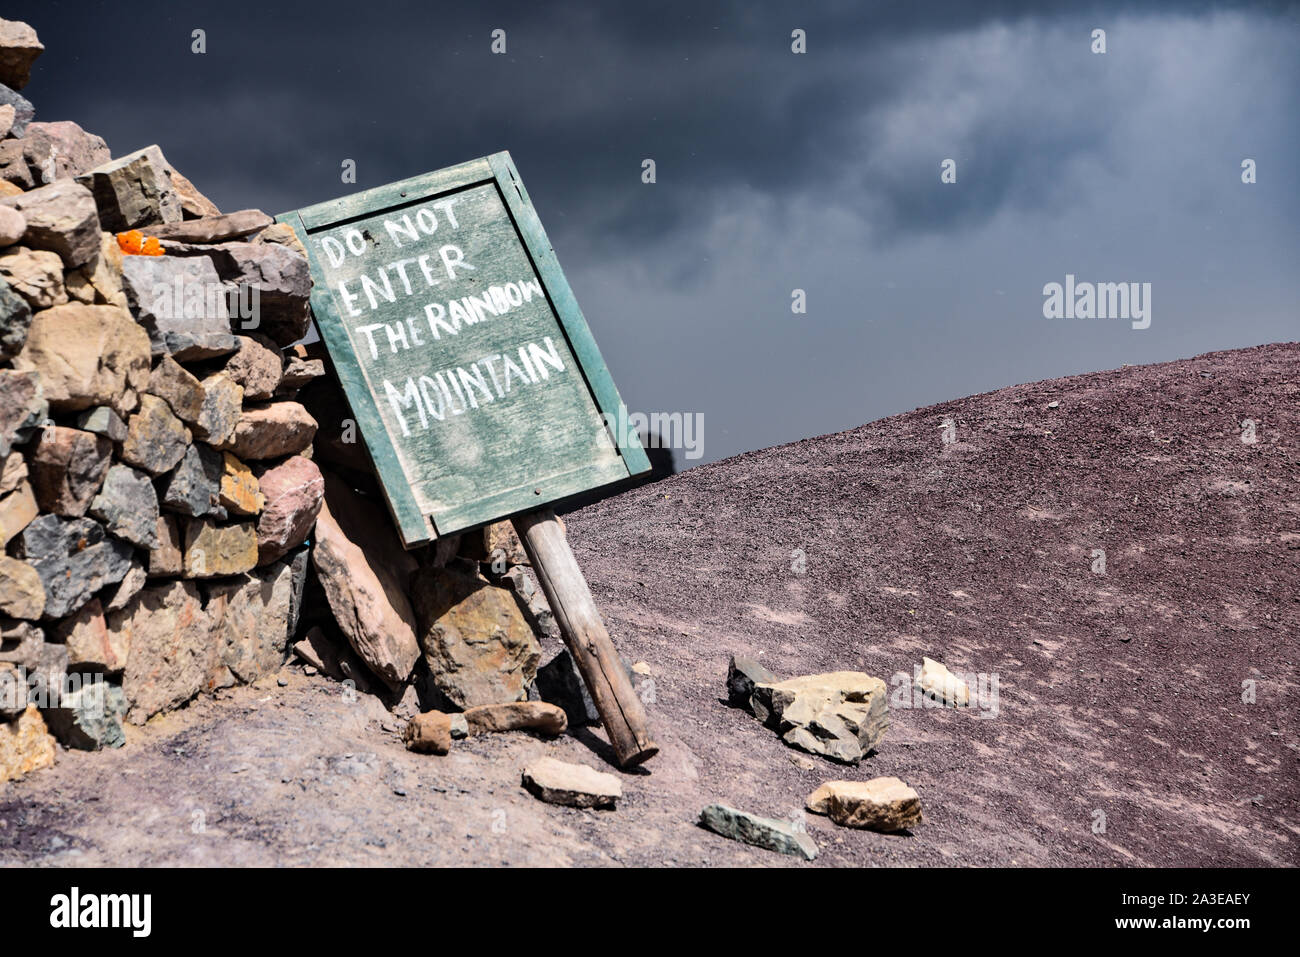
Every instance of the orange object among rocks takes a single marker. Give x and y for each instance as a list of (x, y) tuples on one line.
[(135, 243)]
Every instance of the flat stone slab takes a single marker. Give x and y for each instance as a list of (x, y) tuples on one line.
[(882, 804), (573, 785), (765, 832)]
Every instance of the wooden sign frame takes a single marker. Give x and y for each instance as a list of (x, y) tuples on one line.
[(416, 527)]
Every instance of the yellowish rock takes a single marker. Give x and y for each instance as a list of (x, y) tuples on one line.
[(87, 356), (239, 488), (99, 283), (881, 804), (942, 685), (819, 802), (17, 510), (26, 745), (212, 550)]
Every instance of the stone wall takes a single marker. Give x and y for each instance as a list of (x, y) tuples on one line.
[(162, 512)]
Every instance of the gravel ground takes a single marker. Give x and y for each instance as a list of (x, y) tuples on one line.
[(1119, 695)]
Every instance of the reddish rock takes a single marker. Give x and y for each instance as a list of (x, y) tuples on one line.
[(19, 48), (62, 150), (257, 366), (293, 491), (167, 560), (194, 205), (271, 431), (91, 645), (12, 226), (61, 218), (67, 467), (365, 571)]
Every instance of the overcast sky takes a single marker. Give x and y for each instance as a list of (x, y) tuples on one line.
[(775, 171)]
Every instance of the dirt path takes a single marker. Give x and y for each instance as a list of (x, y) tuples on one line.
[(1119, 694)]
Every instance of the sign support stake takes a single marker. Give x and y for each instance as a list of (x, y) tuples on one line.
[(584, 632)]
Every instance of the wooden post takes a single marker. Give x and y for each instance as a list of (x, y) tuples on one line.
[(584, 632)]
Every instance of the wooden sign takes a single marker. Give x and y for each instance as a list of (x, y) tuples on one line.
[(474, 380), (475, 383)]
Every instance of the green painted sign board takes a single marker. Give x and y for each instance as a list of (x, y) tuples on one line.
[(475, 383)]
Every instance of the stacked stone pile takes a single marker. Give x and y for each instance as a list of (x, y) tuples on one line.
[(163, 516), (156, 486)]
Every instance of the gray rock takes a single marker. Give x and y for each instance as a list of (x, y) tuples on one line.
[(251, 626), (194, 486), (559, 683), (102, 420), (298, 561), (214, 229), (20, 643), (134, 191), (24, 112), (13, 692), (61, 218), (23, 408), (337, 660), (156, 440), (15, 319), (180, 387), (34, 274), (75, 558), (771, 835), (742, 674), (47, 677), (128, 506), (117, 596), (841, 715), (89, 718), (195, 327), (282, 282), (299, 372)]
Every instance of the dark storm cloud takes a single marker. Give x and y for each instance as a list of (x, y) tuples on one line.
[(775, 171), (710, 91)]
